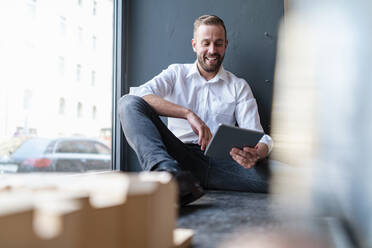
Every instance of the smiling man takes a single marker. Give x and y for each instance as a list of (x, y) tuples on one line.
[(196, 98)]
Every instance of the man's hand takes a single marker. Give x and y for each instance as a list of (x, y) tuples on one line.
[(169, 109), (248, 156), (200, 128)]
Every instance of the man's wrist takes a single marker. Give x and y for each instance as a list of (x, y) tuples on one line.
[(187, 113), (262, 150)]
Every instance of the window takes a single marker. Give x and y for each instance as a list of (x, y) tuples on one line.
[(93, 78), (94, 112), (80, 34), (79, 110), (31, 5), (61, 66), (76, 146), (78, 72), (27, 99), (101, 149), (50, 147), (62, 104), (62, 25), (94, 8), (94, 42), (41, 102)]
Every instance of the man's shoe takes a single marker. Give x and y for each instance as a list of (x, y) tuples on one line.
[(189, 189)]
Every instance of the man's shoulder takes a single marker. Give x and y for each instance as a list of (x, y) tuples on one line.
[(180, 70), (235, 79)]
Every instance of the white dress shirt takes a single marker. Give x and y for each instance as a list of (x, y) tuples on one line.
[(224, 99)]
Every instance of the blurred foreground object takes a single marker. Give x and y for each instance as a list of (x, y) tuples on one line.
[(92, 210), (275, 239), (322, 122)]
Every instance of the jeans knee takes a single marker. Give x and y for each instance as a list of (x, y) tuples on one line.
[(130, 105), (127, 102)]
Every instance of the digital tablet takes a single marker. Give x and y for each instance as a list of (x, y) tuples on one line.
[(227, 137)]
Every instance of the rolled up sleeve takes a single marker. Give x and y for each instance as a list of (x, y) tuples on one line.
[(161, 85)]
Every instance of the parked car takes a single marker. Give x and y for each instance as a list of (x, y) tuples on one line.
[(60, 155)]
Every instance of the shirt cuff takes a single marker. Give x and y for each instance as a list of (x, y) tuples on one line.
[(268, 141), (140, 91)]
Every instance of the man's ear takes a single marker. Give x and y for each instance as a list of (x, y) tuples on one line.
[(193, 43), (226, 43)]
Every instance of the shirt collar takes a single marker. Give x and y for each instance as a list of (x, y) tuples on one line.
[(220, 75)]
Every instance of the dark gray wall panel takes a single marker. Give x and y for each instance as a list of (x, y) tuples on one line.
[(160, 33)]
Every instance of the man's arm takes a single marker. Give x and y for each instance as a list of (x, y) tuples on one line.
[(246, 114), (169, 109)]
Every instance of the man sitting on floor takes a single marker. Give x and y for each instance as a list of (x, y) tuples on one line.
[(196, 98)]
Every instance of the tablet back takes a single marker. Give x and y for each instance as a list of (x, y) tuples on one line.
[(228, 137)]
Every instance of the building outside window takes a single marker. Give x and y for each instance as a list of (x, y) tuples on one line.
[(62, 25), (94, 42), (93, 78), (80, 34), (31, 4), (94, 112), (61, 66), (79, 110), (94, 8), (78, 72), (27, 99), (39, 76), (62, 105)]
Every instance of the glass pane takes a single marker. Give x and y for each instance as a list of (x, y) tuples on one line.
[(55, 85)]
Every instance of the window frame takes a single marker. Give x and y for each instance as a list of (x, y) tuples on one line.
[(119, 156)]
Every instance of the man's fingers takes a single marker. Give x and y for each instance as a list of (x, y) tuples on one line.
[(204, 138), (245, 162), (247, 152), (244, 157), (202, 145), (241, 160), (250, 150), (240, 152), (200, 140), (201, 129), (253, 152), (205, 141)]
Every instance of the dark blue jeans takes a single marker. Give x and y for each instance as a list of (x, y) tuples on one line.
[(153, 142)]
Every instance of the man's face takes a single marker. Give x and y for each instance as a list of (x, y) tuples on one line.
[(209, 44)]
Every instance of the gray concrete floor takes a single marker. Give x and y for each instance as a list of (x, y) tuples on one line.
[(220, 216)]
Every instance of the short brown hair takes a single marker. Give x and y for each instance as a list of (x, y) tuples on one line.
[(209, 20)]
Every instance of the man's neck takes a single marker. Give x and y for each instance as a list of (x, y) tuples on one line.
[(207, 75)]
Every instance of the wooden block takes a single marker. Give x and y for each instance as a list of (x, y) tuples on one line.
[(16, 229), (149, 213), (163, 208), (102, 211), (23, 225), (110, 210), (58, 223)]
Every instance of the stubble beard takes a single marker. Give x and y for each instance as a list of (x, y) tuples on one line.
[(210, 68)]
